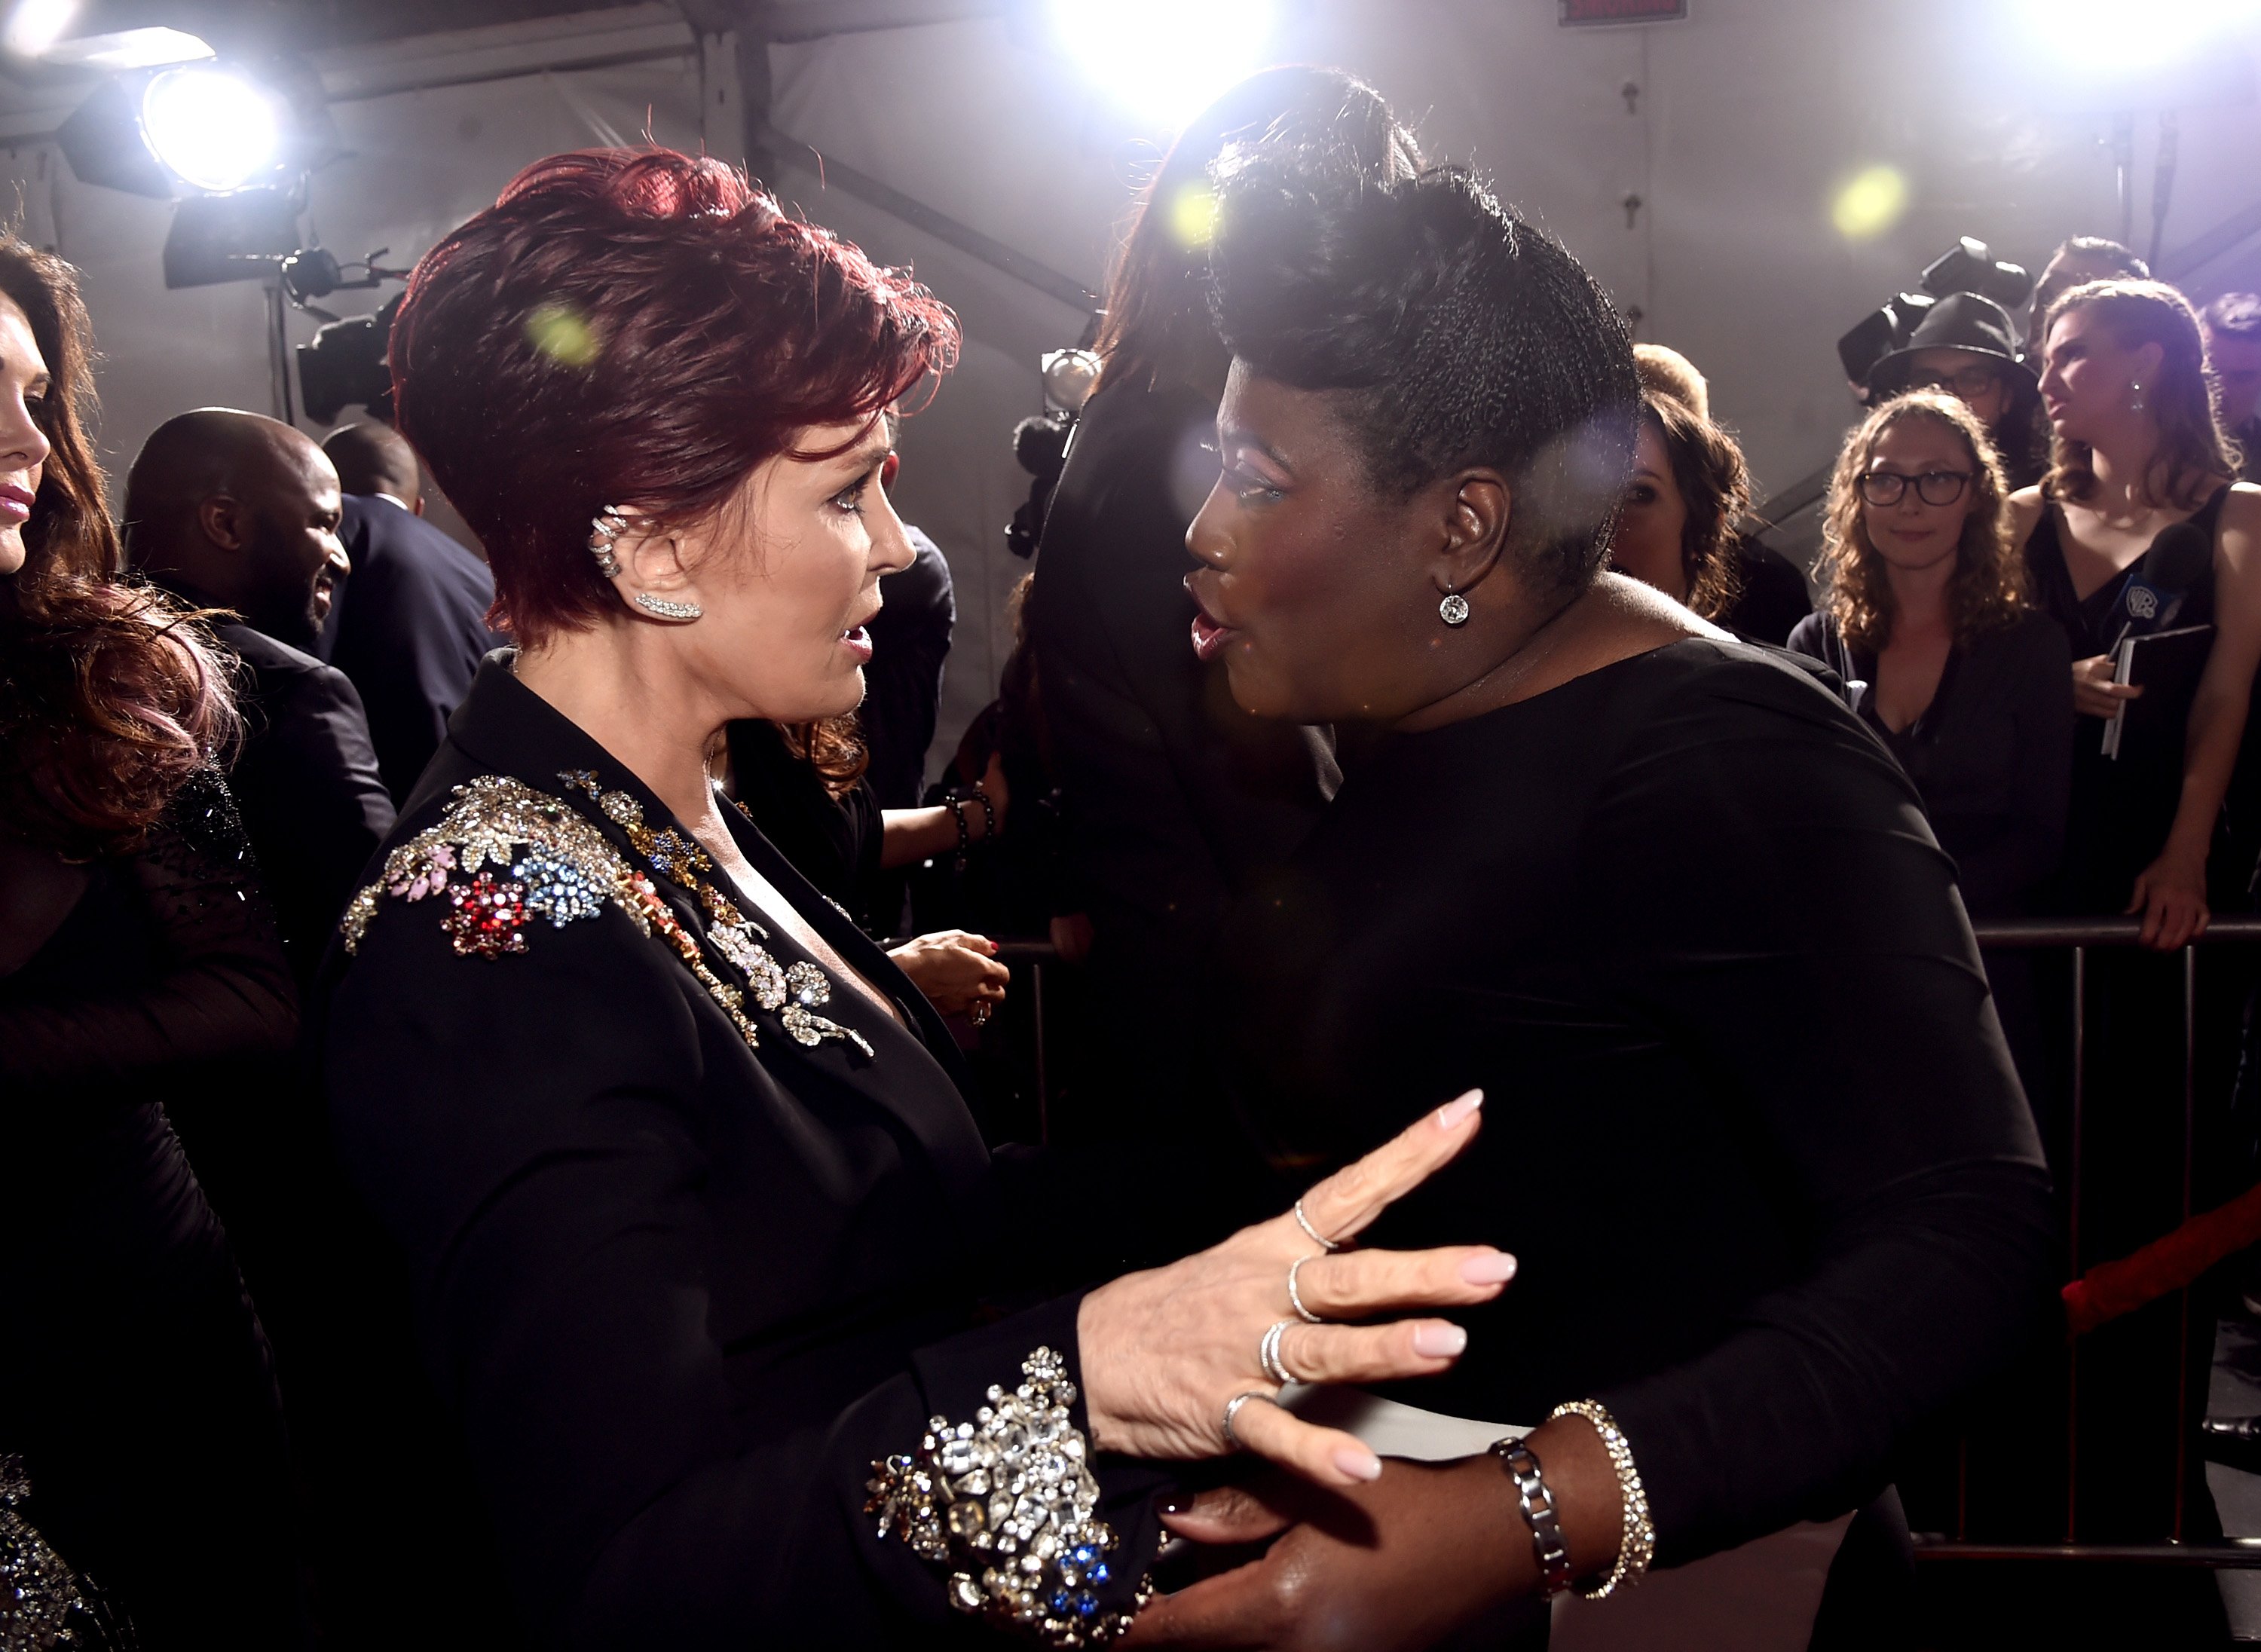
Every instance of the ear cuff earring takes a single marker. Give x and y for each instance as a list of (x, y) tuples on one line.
[(604, 528), (665, 609), (1454, 610)]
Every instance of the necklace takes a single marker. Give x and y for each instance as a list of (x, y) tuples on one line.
[(794, 993)]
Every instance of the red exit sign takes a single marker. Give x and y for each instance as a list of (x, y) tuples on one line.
[(1577, 12)]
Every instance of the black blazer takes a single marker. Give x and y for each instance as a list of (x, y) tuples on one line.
[(312, 801), (679, 1292), (409, 625)]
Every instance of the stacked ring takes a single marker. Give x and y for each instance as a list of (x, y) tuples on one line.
[(1296, 1296), (1268, 1354)]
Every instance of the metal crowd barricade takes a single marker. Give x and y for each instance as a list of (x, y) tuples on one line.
[(1029, 960), (2079, 937)]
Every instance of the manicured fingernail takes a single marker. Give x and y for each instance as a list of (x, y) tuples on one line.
[(1358, 1462), (1454, 1112), (1495, 1267), (1439, 1342)]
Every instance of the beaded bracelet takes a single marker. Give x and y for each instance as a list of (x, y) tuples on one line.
[(1546, 1540), (1637, 1546)]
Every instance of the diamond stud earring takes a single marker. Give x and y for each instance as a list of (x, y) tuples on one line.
[(1454, 610), (665, 609)]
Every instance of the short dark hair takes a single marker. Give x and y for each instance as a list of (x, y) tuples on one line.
[(2234, 315), (374, 458), (635, 327), (2122, 258), (1463, 334), (1156, 328)]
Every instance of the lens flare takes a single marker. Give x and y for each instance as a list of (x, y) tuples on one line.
[(1193, 216), (1869, 203), (1164, 60), (557, 333), (211, 127)]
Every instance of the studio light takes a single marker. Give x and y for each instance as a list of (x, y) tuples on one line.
[(211, 128), (201, 128), (2143, 33), (1163, 60), (34, 25)]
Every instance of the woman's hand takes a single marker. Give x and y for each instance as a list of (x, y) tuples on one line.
[(954, 969), (2171, 893), (2094, 694), (1396, 1565), (1162, 1352)]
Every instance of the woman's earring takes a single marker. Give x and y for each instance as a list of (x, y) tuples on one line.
[(604, 528), (1454, 610), (2135, 404), (665, 609)]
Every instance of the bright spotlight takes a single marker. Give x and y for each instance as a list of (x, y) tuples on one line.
[(211, 128), (33, 26), (1164, 60), (1869, 203), (2143, 33)]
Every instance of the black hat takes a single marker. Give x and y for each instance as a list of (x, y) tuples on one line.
[(1960, 322)]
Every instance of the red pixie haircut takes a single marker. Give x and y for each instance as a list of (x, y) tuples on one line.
[(635, 327)]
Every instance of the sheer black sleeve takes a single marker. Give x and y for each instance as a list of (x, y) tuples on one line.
[(1810, 949), (223, 988)]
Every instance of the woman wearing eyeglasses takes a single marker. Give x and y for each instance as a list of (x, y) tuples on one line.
[(1925, 614)]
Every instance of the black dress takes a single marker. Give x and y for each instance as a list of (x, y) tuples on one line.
[(1750, 1126), (1173, 802), (136, 1383), (1992, 755), (2123, 807), (683, 1267)]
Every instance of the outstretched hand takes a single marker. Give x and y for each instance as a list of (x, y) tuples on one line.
[(1397, 1563), (1164, 1351)]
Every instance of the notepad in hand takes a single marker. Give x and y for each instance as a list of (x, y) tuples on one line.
[(2166, 665)]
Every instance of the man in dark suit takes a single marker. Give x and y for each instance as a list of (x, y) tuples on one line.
[(410, 626), (231, 510)]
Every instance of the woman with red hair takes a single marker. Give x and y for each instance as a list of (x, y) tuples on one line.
[(139, 1429), (698, 1229)]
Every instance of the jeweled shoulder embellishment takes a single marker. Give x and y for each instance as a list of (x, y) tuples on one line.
[(1007, 1503), (792, 994), (566, 870)]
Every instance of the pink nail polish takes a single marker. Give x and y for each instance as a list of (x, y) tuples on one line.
[(1358, 1462), (1495, 1269), (1454, 1111), (1439, 1342)]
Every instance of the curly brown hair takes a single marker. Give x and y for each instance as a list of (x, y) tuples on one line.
[(1988, 589), (2195, 454), (111, 695), (1715, 485), (833, 746)]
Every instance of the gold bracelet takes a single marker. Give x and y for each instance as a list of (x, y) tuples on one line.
[(1637, 1545)]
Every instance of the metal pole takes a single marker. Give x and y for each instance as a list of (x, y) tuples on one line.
[(1044, 1083), (2182, 1340), (2072, 1239)]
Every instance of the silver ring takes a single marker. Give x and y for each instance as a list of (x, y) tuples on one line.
[(1296, 1296), (1268, 1354), (1232, 1410), (1316, 1237)]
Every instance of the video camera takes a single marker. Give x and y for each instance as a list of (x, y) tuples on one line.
[(1968, 267)]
